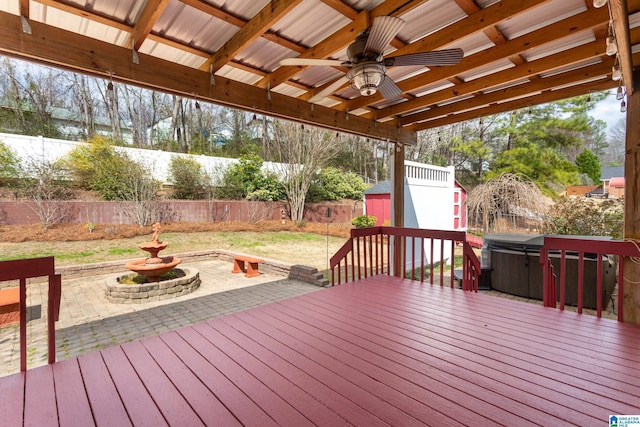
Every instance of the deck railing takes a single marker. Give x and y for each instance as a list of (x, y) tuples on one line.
[(402, 252), (22, 270), (601, 250)]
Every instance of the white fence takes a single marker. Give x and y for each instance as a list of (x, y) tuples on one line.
[(40, 149)]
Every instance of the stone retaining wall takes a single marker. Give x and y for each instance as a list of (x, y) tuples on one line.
[(291, 271), (155, 291)]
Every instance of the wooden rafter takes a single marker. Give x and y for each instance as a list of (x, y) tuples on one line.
[(580, 22), (148, 17), (536, 85), (549, 96), (560, 60), (99, 58), (256, 27)]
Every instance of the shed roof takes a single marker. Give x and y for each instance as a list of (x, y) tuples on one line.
[(382, 187)]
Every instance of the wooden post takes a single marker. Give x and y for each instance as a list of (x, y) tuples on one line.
[(398, 185), (631, 293), (398, 205)]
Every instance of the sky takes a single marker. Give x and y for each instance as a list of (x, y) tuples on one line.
[(608, 110)]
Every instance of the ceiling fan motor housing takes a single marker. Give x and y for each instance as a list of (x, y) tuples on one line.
[(366, 77)]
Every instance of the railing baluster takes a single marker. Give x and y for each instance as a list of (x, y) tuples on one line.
[(580, 280), (620, 287), (370, 255), (453, 262), (599, 286), (431, 261), (441, 262), (563, 283), (422, 260), (404, 256), (413, 257)]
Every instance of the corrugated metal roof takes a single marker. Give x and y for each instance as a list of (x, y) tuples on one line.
[(541, 16), (190, 35), (431, 17)]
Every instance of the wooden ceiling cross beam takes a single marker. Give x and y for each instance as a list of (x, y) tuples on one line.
[(98, 58), (256, 27), (519, 72), (537, 85), (148, 17), (543, 98), (574, 24)]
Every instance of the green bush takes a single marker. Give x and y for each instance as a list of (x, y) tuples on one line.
[(588, 217), (9, 164), (99, 167), (333, 184), (364, 221), (189, 179), (245, 179)]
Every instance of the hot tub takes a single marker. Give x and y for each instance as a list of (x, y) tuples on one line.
[(515, 268)]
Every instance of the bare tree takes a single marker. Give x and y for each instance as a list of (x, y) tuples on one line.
[(615, 151), (46, 188), (508, 196), (140, 201), (85, 102), (110, 98), (302, 150)]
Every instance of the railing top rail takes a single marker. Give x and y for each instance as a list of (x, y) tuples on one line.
[(617, 247), (410, 232), (26, 268), (342, 252)]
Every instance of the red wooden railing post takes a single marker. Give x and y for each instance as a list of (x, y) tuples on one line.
[(21, 270)]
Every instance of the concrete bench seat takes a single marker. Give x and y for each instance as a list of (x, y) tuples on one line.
[(9, 306), (251, 262)]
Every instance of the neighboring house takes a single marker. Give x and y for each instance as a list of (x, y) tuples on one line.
[(616, 186), (70, 125), (609, 172)]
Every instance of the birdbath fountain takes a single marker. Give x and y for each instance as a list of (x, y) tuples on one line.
[(153, 266)]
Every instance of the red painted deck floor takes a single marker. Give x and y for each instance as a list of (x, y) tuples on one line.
[(376, 352)]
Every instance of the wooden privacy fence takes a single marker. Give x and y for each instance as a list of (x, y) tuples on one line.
[(396, 251), (600, 250), (22, 270)]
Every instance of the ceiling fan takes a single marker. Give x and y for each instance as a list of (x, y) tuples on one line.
[(368, 66)]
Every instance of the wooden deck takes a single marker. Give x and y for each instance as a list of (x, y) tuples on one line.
[(374, 352)]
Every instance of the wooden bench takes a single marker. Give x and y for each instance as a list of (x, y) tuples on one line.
[(252, 265), (9, 306)]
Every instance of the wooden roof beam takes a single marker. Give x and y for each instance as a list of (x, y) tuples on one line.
[(550, 96), (574, 24), (340, 39), (148, 17), (510, 75), (537, 85), (256, 27), (619, 13), (94, 57)]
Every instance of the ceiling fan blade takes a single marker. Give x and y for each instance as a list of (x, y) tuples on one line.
[(436, 57), (383, 30), (389, 89), (332, 87), (311, 61)]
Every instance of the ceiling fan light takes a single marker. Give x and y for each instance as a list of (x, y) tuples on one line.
[(366, 77), (599, 3), (612, 46)]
